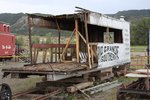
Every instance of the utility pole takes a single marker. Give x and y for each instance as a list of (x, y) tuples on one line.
[(148, 46)]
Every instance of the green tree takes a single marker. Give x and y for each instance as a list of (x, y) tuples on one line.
[(139, 31), (20, 41), (35, 40), (48, 38)]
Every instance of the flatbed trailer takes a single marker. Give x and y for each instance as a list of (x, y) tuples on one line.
[(101, 43)]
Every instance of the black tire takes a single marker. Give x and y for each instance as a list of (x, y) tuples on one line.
[(5, 93)]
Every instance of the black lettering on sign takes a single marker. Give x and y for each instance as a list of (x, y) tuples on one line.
[(108, 53)]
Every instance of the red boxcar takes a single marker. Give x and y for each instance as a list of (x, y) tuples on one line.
[(7, 41)]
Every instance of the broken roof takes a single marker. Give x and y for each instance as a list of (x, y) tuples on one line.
[(66, 21)]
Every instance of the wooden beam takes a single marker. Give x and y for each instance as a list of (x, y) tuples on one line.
[(89, 57), (64, 50), (55, 54), (76, 87), (51, 54), (92, 55), (58, 37), (82, 37), (77, 40), (30, 39), (87, 40), (47, 46), (35, 55), (44, 55)]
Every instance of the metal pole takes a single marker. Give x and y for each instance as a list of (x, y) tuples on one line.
[(148, 44)]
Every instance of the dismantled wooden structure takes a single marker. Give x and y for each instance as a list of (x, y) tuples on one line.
[(139, 89), (102, 42)]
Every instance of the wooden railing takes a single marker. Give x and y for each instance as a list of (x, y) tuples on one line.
[(54, 51)]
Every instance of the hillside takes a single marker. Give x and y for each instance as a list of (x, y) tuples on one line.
[(132, 15), (10, 18), (18, 21)]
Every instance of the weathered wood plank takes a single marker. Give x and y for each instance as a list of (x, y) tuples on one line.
[(79, 86)]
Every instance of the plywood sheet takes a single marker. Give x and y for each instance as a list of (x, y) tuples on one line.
[(136, 75)]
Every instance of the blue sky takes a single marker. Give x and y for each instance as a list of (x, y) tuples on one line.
[(68, 6)]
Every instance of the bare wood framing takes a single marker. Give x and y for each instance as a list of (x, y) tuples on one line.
[(35, 55), (44, 55), (92, 55), (67, 45), (89, 56), (58, 37), (87, 39), (82, 37), (30, 39), (51, 54), (77, 40)]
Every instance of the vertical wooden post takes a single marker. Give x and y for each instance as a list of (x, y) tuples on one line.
[(77, 40), (51, 54), (58, 38), (92, 53), (44, 55), (55, 54), (30, 39), (87, 39), (35, 55)]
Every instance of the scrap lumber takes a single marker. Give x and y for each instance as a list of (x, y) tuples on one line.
[(79, 86), (101, 87)]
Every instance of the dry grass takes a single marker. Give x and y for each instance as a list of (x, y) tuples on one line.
[(24, 84), (18, 85)]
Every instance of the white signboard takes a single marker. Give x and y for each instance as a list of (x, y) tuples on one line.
[(111, 55)]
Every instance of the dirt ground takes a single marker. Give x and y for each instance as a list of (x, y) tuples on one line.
[(18, 85)]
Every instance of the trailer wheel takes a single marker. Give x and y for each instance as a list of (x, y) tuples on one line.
[(5, 93)]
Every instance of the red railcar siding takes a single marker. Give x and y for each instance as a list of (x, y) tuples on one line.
[(7, 41)]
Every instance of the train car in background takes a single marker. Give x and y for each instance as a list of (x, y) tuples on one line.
[(7, 42)]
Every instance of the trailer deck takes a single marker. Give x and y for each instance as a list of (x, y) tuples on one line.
[(54, 69), (59, 71), (50, 67)]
